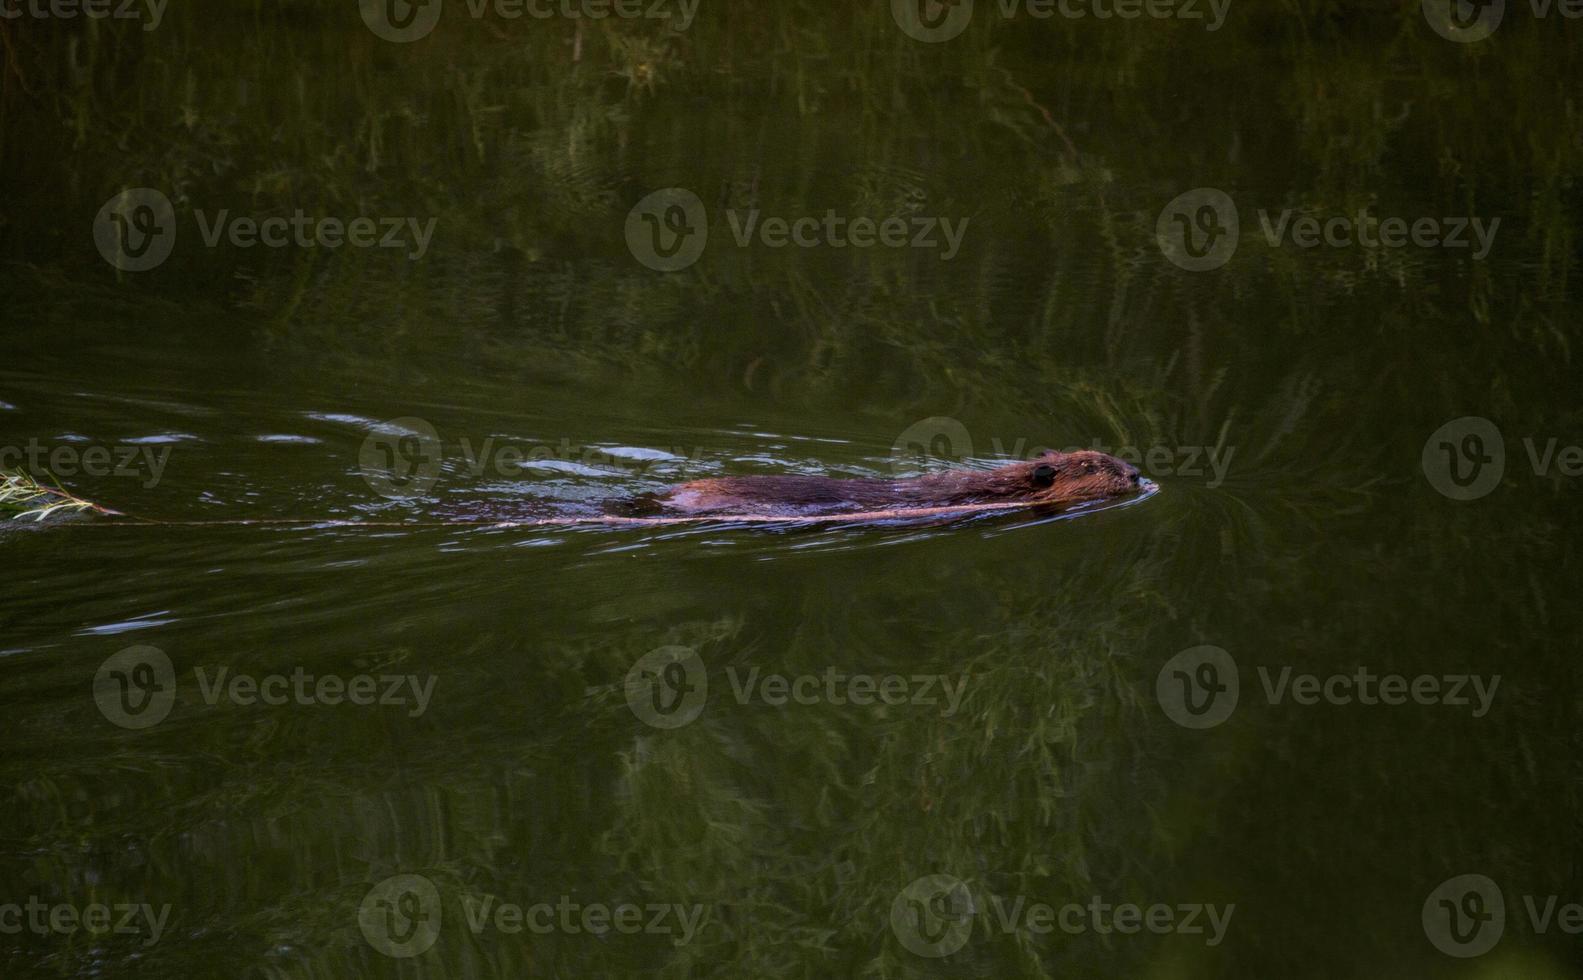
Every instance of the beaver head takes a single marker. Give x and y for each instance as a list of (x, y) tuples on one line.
[(1053, 477)]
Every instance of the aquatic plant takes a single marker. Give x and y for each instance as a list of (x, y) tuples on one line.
[(22, 497)]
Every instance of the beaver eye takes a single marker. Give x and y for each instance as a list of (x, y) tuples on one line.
[(1088, 467), (1043, 475)]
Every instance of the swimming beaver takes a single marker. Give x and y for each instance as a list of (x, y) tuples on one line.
[(1050, 479)]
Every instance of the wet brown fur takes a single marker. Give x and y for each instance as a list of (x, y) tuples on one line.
[(1075, 477)]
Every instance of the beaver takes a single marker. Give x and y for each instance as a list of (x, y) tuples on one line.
[(1050, 479)]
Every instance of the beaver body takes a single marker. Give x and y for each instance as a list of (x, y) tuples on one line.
[(1051, 479)]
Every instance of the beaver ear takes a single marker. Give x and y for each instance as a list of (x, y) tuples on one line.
[(1043, 475)]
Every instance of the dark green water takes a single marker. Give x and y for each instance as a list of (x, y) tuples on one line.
[(527, 795)]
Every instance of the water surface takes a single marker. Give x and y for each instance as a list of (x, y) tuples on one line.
[(521, 751)]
